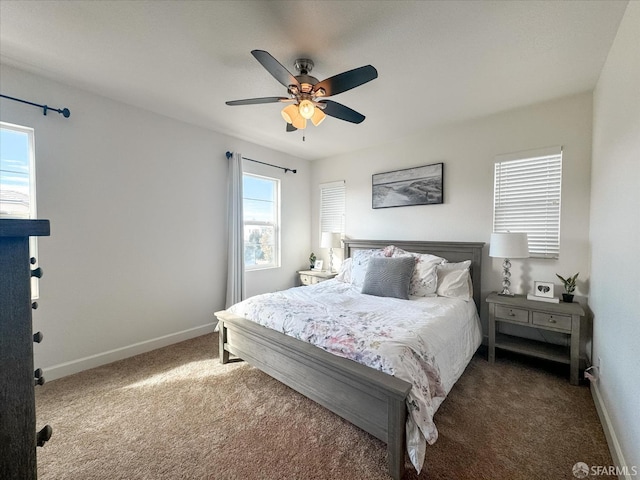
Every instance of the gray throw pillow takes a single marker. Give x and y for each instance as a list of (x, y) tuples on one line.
[(389, 277)]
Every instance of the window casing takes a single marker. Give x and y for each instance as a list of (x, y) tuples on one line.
[(332, 207), (18, 180), (261, 213), (527, 195)]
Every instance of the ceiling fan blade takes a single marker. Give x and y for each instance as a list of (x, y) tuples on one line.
[(253, 101), (275, 68), (337, 110), (291, 128), (346, 80)]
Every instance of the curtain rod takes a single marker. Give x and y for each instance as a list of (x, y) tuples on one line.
[(64, 112), (229, 155)]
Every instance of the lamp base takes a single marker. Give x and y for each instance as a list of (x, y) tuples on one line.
[(506, 275), (506, 294), (330, 260)]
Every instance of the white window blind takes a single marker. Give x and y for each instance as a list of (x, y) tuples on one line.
[(332, 207), (527, 193)]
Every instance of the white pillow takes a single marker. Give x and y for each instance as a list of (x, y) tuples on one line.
[(454, 280), (345, 272), (424, 279)]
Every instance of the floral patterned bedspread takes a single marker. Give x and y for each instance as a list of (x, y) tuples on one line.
[(398, 337)]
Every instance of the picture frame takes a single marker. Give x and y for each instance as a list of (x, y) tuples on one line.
[(411, 186), (543, 289), (318, 265)]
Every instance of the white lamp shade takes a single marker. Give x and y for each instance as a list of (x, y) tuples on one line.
[(509, 245), (330, 240)]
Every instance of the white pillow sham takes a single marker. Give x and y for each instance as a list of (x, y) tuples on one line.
[(454, 280), (345, 272), (424, 280)]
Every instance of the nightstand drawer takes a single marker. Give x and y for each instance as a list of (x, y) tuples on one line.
[(513, 314), (562, 322), (308, 279)]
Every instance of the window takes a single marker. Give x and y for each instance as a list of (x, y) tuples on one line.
[(17, 180), (332, 207), (261, 205), (527, 191), (17, 172)]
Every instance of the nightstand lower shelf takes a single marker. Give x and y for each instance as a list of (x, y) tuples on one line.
[(548, 351)]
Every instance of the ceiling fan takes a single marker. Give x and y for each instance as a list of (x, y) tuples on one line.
[(307, 95)]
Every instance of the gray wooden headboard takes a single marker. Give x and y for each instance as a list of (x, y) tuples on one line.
[(452, 251)]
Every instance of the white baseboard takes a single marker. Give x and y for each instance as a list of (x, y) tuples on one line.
[(609, 432), (75, 366)]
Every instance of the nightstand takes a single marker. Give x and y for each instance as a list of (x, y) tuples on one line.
[(557, 317), (311, 277)]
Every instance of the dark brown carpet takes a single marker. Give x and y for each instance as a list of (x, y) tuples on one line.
[(176, 413)]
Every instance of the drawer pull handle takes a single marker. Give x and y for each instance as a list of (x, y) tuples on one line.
[(511, 314), (44, 435), (37, 272), (39, 379), (551, 320), (32, 260), (37, 337)]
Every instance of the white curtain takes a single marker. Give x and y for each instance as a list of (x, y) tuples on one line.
[(235, 275)]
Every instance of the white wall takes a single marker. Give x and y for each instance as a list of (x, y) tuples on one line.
[(614, 234), (137, 253), (468, 150)]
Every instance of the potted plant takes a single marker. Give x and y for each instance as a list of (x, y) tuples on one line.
[(312, 260), (569, 287)]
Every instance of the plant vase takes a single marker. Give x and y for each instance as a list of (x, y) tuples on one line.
[(567, 297)]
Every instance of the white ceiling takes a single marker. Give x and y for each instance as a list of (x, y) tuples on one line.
[(437, 61)]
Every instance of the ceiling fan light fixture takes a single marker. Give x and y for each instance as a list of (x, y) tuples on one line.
[(292, 115), (318, 117), (306, 109), (304, 91), (289, 113), (299, 122)]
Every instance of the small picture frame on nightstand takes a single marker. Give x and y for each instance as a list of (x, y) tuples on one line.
[(543, 289), (318, 265)]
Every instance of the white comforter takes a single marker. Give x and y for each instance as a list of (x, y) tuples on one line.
[(427, 341)]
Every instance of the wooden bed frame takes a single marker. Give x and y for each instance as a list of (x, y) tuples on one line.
[(368, 398)]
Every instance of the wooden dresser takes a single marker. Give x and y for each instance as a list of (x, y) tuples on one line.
[(18, 437)]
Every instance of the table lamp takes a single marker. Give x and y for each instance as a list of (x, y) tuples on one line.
[(330, 240), (508, 245)]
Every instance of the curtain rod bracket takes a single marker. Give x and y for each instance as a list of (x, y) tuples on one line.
[(229, 155)]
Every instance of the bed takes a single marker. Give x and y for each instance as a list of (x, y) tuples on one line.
[(367, 397)]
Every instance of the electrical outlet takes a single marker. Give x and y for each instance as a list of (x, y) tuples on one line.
[(599, 366)]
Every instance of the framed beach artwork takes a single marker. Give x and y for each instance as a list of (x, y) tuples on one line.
[(411, 186)]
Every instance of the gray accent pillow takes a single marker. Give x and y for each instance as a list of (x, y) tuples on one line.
[(389, 277)]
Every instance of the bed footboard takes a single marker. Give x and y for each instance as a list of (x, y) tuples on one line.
[(371, 400)]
